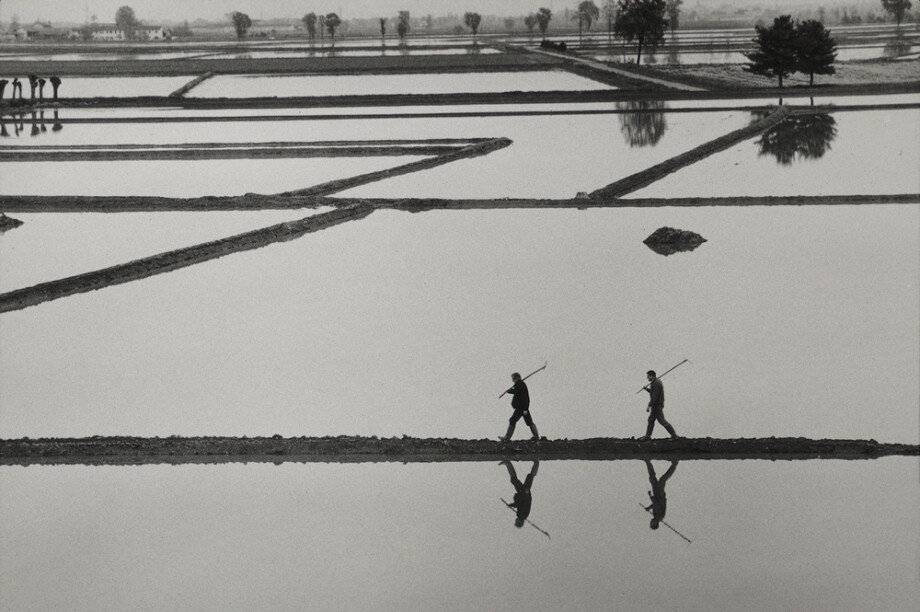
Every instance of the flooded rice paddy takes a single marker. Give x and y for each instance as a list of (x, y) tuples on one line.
[(764, 536), (405, 323), (797, 321), (233, 86)]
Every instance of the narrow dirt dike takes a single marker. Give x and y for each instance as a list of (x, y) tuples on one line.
[(648, 176), (190, 85), (180, 258)]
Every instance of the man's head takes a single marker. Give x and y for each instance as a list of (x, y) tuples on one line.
[(515, 377), (653, 523), (651, 375)]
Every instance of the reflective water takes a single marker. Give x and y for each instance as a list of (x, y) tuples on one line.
[(842, 153), (119, 87), (361, 52), (230, 86), (411, 324), (587, 153), (815, 535)]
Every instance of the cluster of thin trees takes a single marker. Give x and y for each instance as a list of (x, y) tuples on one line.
[(643, 22)]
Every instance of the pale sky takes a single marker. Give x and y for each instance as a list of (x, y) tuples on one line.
[(179, 10), (176, 10)]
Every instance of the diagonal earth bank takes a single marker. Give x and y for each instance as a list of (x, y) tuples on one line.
[(123, 450)]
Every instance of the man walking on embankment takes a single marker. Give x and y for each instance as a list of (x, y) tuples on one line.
[(521, 405), (656, 406)]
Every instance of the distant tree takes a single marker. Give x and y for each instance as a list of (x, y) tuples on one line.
[(815, 49), (472, 20), (509, 23), (674, 13), (126, 20), (775, 54), (586, 14), (241, 23), (530, 22), (610, 11), (897, 9), (332, 22), (383, 28), (544, 16), (402, 24), (309, 20), (642, 21)]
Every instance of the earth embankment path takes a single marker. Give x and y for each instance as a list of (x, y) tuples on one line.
[(122, 450)]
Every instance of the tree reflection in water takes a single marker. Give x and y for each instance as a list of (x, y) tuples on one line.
[(643, 124), (897, 47), (807, 136)]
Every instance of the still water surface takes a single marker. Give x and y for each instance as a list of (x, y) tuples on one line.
[(550, 156), (797, 321), (247, 86), (817, 535)]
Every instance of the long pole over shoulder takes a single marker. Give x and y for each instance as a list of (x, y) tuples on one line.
[(526, 377), (662, 375)]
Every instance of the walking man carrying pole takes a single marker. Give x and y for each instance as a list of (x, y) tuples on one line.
[(656, 406), (521, 405)]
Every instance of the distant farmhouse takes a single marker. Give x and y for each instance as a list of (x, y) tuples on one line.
[(40, 31), (110, 31), (43, 31)]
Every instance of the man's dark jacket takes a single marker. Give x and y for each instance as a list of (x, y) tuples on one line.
[(521, 400), (656, 394)]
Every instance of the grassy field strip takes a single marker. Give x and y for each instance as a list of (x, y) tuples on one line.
[(123, 450), (457, 142), (115, 154), (129, 204), (177, 259), (650, 175)]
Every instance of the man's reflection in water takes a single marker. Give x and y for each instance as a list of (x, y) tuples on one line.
[(659, 504), (522, 496)]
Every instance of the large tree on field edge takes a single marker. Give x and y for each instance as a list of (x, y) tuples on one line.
[(642, 21), (775, 53), (241, 23), (815, 50), (897, 9)]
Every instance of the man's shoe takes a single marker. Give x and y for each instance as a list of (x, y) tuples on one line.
[(503, 438), (643, 439)]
